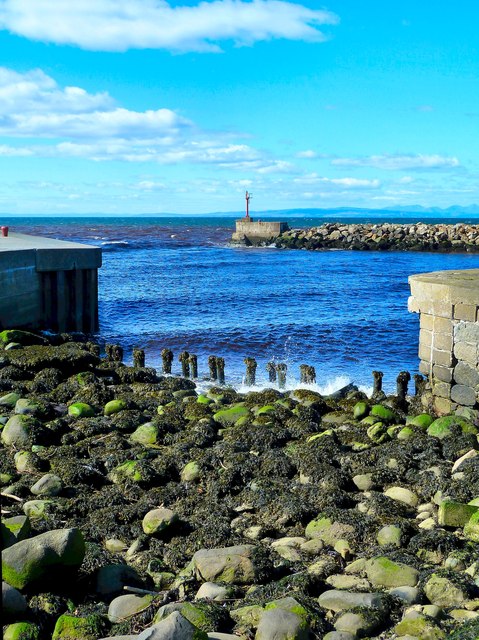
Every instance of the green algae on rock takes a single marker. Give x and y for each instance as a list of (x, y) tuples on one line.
[(34, 558)]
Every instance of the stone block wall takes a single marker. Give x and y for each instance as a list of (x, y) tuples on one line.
[(448, 304)]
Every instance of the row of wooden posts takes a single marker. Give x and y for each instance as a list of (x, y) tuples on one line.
[(276, 370)]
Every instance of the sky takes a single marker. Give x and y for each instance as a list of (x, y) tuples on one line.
[(156, 106)]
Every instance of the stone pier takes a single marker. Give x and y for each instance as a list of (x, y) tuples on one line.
[(48, 284), (252, 232), (448, 304)]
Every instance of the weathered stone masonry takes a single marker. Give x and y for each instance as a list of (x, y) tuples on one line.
[(448, 304)]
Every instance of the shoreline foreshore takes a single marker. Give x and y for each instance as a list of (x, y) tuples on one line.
[(135, 507), (385, 236)]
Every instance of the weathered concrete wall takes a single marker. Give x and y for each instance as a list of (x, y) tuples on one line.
[(251, 231), (448, 303), (48, 284)]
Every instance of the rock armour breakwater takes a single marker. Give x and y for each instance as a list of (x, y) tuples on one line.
[(384, 237)]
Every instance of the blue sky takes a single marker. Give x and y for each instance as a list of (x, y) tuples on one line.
[(149, 106)]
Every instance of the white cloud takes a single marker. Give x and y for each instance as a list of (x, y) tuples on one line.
[(118, 25), (347, 182), (36, 92), (400, 162), (72, 123), (308, 153), (6, 150)]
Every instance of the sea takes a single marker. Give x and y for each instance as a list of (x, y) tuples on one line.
[(176, 281)]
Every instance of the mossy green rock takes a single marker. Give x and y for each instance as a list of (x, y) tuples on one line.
[(405, 433), (378, 433), (15, 529), (329, 531), (129, 470), (442, 427), (21, 337), (9, 400), (21, 631), (287, 604), (198, 614), (248, 616), (444, 592), (471, 528), (455, 514), (229, 416), (423, 420), (36, 509), (383, 572), (268, 408), (172, 627), (21, 431), (202, 399), (384, 413), (81, 410), (69, 627), (30, 560), (114, 406), (191, 472), (420, 627), (361, 410), (158, 520), (146, 434)]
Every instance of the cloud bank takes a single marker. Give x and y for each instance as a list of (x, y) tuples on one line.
[(400, 162), (119, 25)]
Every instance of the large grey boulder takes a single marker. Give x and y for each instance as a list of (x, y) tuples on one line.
[(174, 627), (33, 559), (234, 565), (280, 624), (127, 606), (48, 485), (336, 600), (22, 432), (111, 579)]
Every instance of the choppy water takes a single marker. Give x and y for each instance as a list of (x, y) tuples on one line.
[(175, 282)]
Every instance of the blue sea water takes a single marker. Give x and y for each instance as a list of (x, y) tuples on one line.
[(176, 282)]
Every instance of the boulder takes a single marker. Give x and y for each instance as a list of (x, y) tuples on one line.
[(21, 631), (383, 572), (70, 627), (336, 600), (14, 604), (158, 520), (174, 627), (280, 624), (33, 559), (233, 565), (127, 606), (48, 485)]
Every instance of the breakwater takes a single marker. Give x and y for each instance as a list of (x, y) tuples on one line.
[(135, 506), (384, 237)]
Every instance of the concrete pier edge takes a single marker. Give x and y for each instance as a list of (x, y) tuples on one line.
[(48, 284)]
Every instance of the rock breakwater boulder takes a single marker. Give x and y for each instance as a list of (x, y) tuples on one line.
[(384, 237)]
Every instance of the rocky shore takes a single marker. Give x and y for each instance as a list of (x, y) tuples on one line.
[(135, 507), (384, 237)]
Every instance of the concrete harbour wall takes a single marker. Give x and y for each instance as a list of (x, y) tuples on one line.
[(48, 284), (448, 304), (249, 231)]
